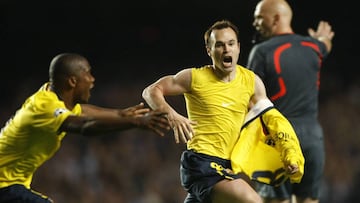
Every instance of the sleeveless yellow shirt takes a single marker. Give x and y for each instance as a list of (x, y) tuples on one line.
[(31, 136), (219, 108)]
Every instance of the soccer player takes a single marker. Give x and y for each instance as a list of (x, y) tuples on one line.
[(34, 133), (289, 65), (217, 99)]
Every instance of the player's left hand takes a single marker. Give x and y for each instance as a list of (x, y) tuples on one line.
[(154, 120), (292, 169), (136, 110)]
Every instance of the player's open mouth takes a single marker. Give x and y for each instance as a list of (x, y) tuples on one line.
[(227, 60)]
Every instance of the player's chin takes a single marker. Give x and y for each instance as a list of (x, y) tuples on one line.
[(228, 67)]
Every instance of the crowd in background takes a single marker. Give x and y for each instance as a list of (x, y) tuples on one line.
[(135, 167)]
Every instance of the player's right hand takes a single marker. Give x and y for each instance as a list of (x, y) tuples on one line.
[(182, 127)]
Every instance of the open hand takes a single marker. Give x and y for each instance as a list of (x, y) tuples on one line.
[(154, 120)]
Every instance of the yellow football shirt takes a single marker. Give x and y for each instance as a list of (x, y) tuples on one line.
[(219, 108), (261, 154), (31, 136)]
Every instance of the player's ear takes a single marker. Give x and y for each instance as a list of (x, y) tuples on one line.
[(276, 19), (72, 81), (208, 49)]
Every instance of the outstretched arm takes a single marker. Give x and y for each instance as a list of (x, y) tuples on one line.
[(95, 120), (171, 85)]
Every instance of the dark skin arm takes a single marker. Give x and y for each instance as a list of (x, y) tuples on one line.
[(95, 120)]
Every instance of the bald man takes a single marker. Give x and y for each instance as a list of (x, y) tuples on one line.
[(289, 65)]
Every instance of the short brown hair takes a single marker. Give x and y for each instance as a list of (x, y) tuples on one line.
[(218, 25)]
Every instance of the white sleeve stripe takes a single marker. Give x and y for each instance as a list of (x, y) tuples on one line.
[(259, 108)]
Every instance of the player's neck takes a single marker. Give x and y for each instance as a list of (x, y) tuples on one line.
[(63, 96)]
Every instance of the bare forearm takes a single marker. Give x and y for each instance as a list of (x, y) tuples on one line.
[(96, 111), (94, 126), (155, 99), (87, 125)]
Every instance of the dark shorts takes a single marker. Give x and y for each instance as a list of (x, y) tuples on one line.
[(311, 140), (200, 172), (20, 194)]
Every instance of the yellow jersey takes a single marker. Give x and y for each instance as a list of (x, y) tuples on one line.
[(267, 141), (31, 136), (219, 108)]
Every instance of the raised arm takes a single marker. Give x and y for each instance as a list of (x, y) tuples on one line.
[(171, 85), (323, 33)]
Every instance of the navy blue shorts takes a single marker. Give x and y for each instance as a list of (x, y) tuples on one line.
[(20, 194), (200, 172), (311, 140)]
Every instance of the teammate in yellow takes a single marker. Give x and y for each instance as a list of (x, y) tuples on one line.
[(217, 99), (34, 133)]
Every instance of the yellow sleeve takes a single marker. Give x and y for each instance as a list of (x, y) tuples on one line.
[(285, 141), (266, 145)]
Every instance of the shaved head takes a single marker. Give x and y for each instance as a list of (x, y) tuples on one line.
[(273, 17), (276, 7), (65, 65)]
